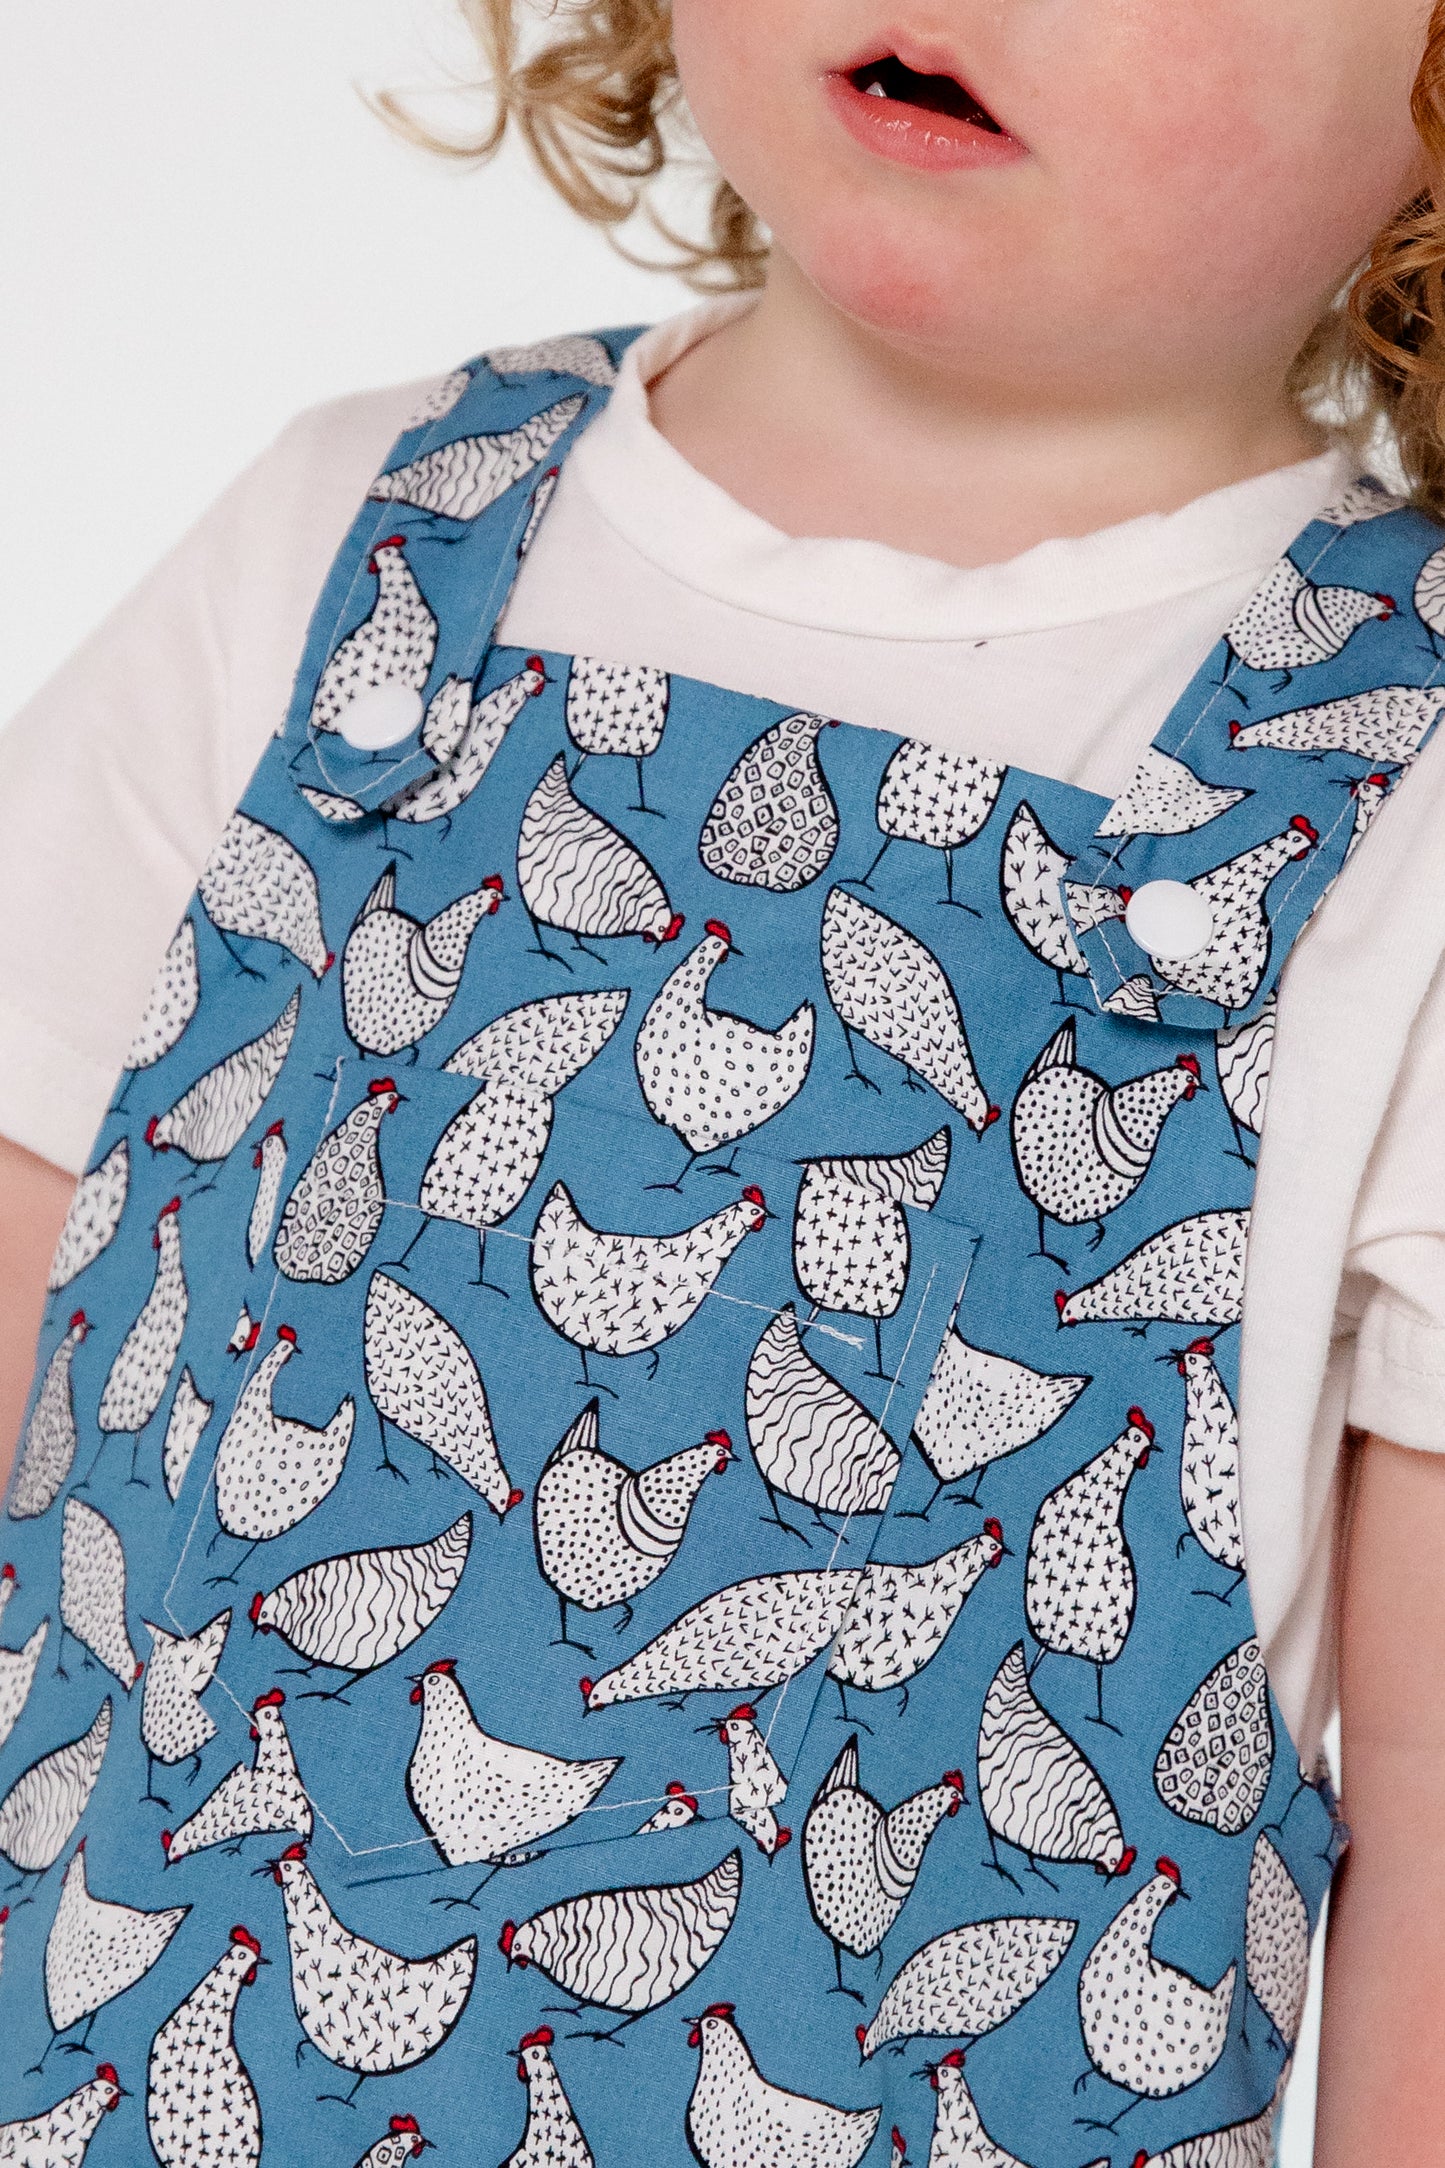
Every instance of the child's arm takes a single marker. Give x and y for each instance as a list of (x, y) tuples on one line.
[(34, 1197), (1382, 2071)]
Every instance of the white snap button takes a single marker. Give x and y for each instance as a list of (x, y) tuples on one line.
[(1169, 920), (382, 715)]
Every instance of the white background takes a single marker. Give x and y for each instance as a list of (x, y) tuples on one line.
[(202, 229)]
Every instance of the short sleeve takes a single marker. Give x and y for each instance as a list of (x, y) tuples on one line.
[(116, 779), (1395, 1265)]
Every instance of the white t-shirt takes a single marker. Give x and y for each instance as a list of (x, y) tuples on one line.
[(116, 780)]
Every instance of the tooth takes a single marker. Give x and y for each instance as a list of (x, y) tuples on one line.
[(875, 90)]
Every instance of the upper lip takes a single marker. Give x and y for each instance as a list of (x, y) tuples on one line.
[(922, 56)]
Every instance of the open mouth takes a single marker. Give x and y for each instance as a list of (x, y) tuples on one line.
[(916, 117), (890, 78)]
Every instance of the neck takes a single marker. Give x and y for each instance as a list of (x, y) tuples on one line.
[(824, 426)]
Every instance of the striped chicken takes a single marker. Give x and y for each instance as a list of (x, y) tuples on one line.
[(1037, 1790), (47, 1447), (93, 1218), (208, 1121), (459, 480), (39, 1813), (579, 874), (1244, 1055), (630, 1949), (966, 1982), (359, 1609), (811, 1439), (859, 1863)]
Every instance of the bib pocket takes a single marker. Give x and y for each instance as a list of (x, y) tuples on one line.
[(600, 1476)]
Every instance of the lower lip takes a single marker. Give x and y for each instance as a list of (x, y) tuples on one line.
[(909, 136)]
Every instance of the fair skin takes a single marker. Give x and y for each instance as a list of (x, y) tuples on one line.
[(964, 360), (1087, 318)]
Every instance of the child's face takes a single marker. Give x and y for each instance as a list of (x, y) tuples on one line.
[(1180, 188)]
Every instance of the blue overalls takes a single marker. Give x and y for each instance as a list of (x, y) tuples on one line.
[(633, 1478)]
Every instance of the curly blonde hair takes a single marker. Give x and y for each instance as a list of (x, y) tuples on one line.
[(596, 98)]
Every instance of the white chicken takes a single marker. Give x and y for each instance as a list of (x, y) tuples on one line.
[(1080, 1586), (459, 480), (1386, 723), (901, 1616), (49, 1440), (96, 1950), (1371, 794), (92, 1591), (707, 1075), (1215, 1765), (1230, 966), (1038, 1792), (1033, 888), (137, 1380), (487, 1157), (272, 1470), (605, 1531), (59, 2137), (244, 1334), (679, 1810), (931, 796), (860, 1863), (262, 1801), (969, 1981), (334, 1213), (553, 2136), (851, 1242), (1246, 2144), (580, 875), (1164, 797), (1209, 1463), (1189, 1274), (736, 2119), (399, 976), (567, 354), (755, 1782), (394, 645), (92, 1219), (423, 1379), (174, 997), (812, 1440), (208, 1121), (39, 1813), (774, 823), (1290, 622), (1149, 2028), (617, 708), (479, 1798), (1244, 1054), (959, 2138), (173, 1725), (1081, 1146), (359, 1609), (402, 2141), (622, 1294), (979, 1408), (366, 2008), (629, 1949), (201, 2107), (268, 1162), (185, 1426), (257, 886), (1276, 1941), (746, 1638), (889, 989), (17, 1666)]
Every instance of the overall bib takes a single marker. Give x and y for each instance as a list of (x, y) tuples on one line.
[(633, 1477)]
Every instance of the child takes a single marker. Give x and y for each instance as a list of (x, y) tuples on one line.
[(733, 1020)]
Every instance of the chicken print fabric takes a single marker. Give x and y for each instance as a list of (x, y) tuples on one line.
[(637, 1416)]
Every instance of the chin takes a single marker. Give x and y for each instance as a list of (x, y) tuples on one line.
[(899, 285)]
